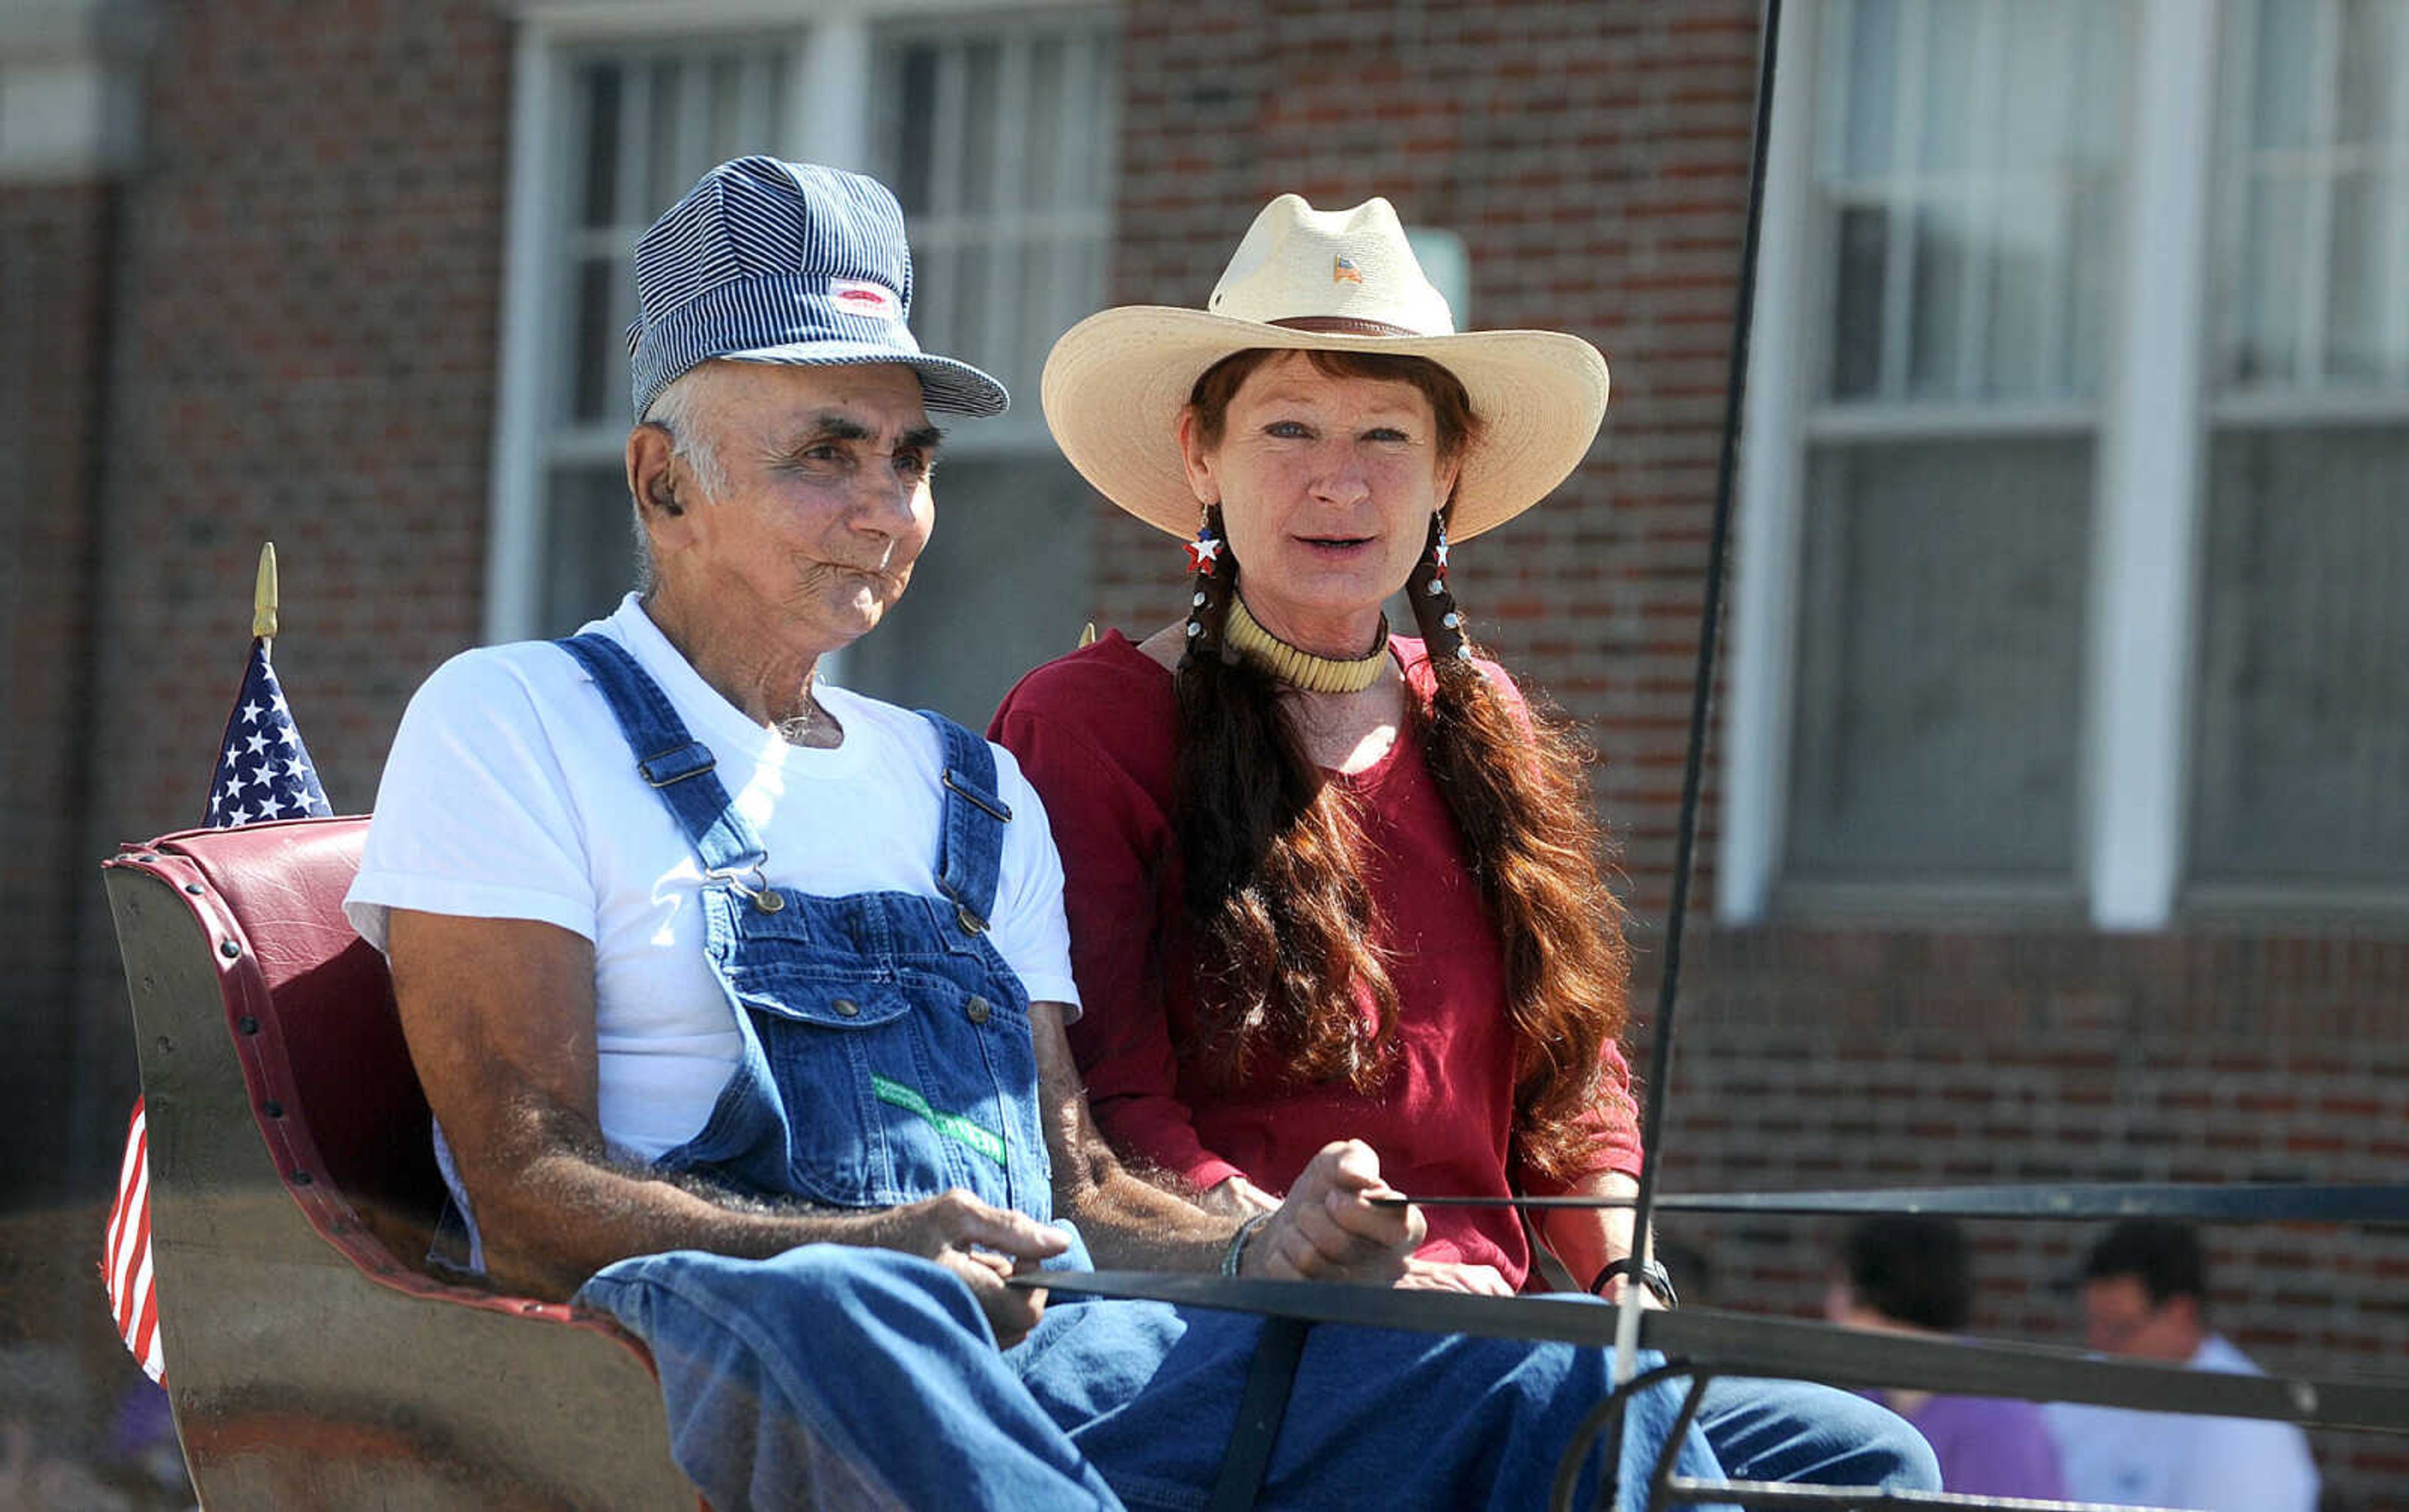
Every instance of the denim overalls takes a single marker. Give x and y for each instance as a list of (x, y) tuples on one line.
[(886, 1044), (886, 1059)]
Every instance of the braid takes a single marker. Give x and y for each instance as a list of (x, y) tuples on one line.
[(1283, 916), (1208, 597), (1433, 605), (1515, 778)]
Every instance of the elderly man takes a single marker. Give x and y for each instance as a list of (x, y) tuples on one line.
[(739, 997)]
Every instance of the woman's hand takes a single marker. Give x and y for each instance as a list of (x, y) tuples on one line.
[(1330, 1229)]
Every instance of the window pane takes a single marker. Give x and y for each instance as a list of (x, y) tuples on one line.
[(598, 97), (2354, 336), (2267, 345), (599, 380), (1940, 365), (2282, 83), (1000, 589), (589, 547), (2373, 51), (912, 127), (2012, 114), (2315, 250), (1946, 143), (1008, 187), (1939, 650), (2303, 766), (1861, 58), (1863, 255)]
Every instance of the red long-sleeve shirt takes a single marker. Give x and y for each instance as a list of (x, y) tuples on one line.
[(1094, 731)]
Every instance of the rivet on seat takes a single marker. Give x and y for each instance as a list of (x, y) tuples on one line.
[(229, 949), (247, 1024), (272, 1108), (845, 1007), (195, 888), (301, 1178)]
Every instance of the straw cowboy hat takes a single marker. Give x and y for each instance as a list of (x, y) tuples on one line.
[(1331, 280)]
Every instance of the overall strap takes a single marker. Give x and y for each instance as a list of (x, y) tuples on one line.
[(676, 766), (970, 832)]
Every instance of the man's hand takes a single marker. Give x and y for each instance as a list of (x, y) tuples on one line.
[(980, 1243), (1454, 1275), (1328, 1230), (1237, 1197)]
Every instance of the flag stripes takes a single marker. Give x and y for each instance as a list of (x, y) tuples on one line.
[(128, 1259)]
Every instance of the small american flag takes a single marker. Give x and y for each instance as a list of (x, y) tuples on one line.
[(262, 772)]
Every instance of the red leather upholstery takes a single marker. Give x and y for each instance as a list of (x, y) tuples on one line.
[(333, 1090)]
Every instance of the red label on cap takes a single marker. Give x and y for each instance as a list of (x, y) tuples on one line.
[(860, 297)]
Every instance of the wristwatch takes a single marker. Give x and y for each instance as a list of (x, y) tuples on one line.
[(1658, 1280)]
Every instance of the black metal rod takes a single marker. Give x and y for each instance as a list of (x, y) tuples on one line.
[(2083, 1201), (1607, 1415), (1660, 1055), (1670, 1453), (1794, 1348), (1684, 1491), (1261, 1410)]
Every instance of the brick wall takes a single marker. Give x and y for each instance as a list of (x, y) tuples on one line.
[(1595, 158), (1890, 1057), (309, 271)]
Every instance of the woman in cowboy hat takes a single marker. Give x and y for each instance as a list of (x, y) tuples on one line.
[(1353, 886), (1325, 881)]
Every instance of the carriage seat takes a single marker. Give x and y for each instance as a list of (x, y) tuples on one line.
[(312, 1360)]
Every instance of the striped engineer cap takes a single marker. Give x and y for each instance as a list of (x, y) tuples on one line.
[(791, 262)]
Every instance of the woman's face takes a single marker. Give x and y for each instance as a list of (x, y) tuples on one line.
[(1326, 487)]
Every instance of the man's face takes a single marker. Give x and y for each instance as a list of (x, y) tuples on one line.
[(2118, 1318), (824, 502)]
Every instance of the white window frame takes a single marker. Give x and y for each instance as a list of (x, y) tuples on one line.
[(71, 90), (2133, 787), (830, 96)]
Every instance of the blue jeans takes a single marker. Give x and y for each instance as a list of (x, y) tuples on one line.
[(842, 1376)]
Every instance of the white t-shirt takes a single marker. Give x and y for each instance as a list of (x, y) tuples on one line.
[(2167, 1458), (511, 793)]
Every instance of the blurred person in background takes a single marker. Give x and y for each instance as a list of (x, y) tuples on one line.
[(1914, 1275), (2146, 1297)]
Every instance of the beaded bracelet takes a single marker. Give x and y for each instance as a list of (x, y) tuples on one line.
[(1233, 1256)]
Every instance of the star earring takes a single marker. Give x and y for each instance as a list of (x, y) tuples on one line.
[(1204, 552)]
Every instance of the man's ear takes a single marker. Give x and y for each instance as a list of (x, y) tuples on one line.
[(2187, 1309), (653, 483)]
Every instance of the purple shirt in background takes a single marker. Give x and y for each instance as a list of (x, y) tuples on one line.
[(1991, 1447)]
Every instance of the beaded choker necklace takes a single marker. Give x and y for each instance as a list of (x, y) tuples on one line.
[(1303, 668)]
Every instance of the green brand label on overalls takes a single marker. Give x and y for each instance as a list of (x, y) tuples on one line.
[(952, 1125)]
